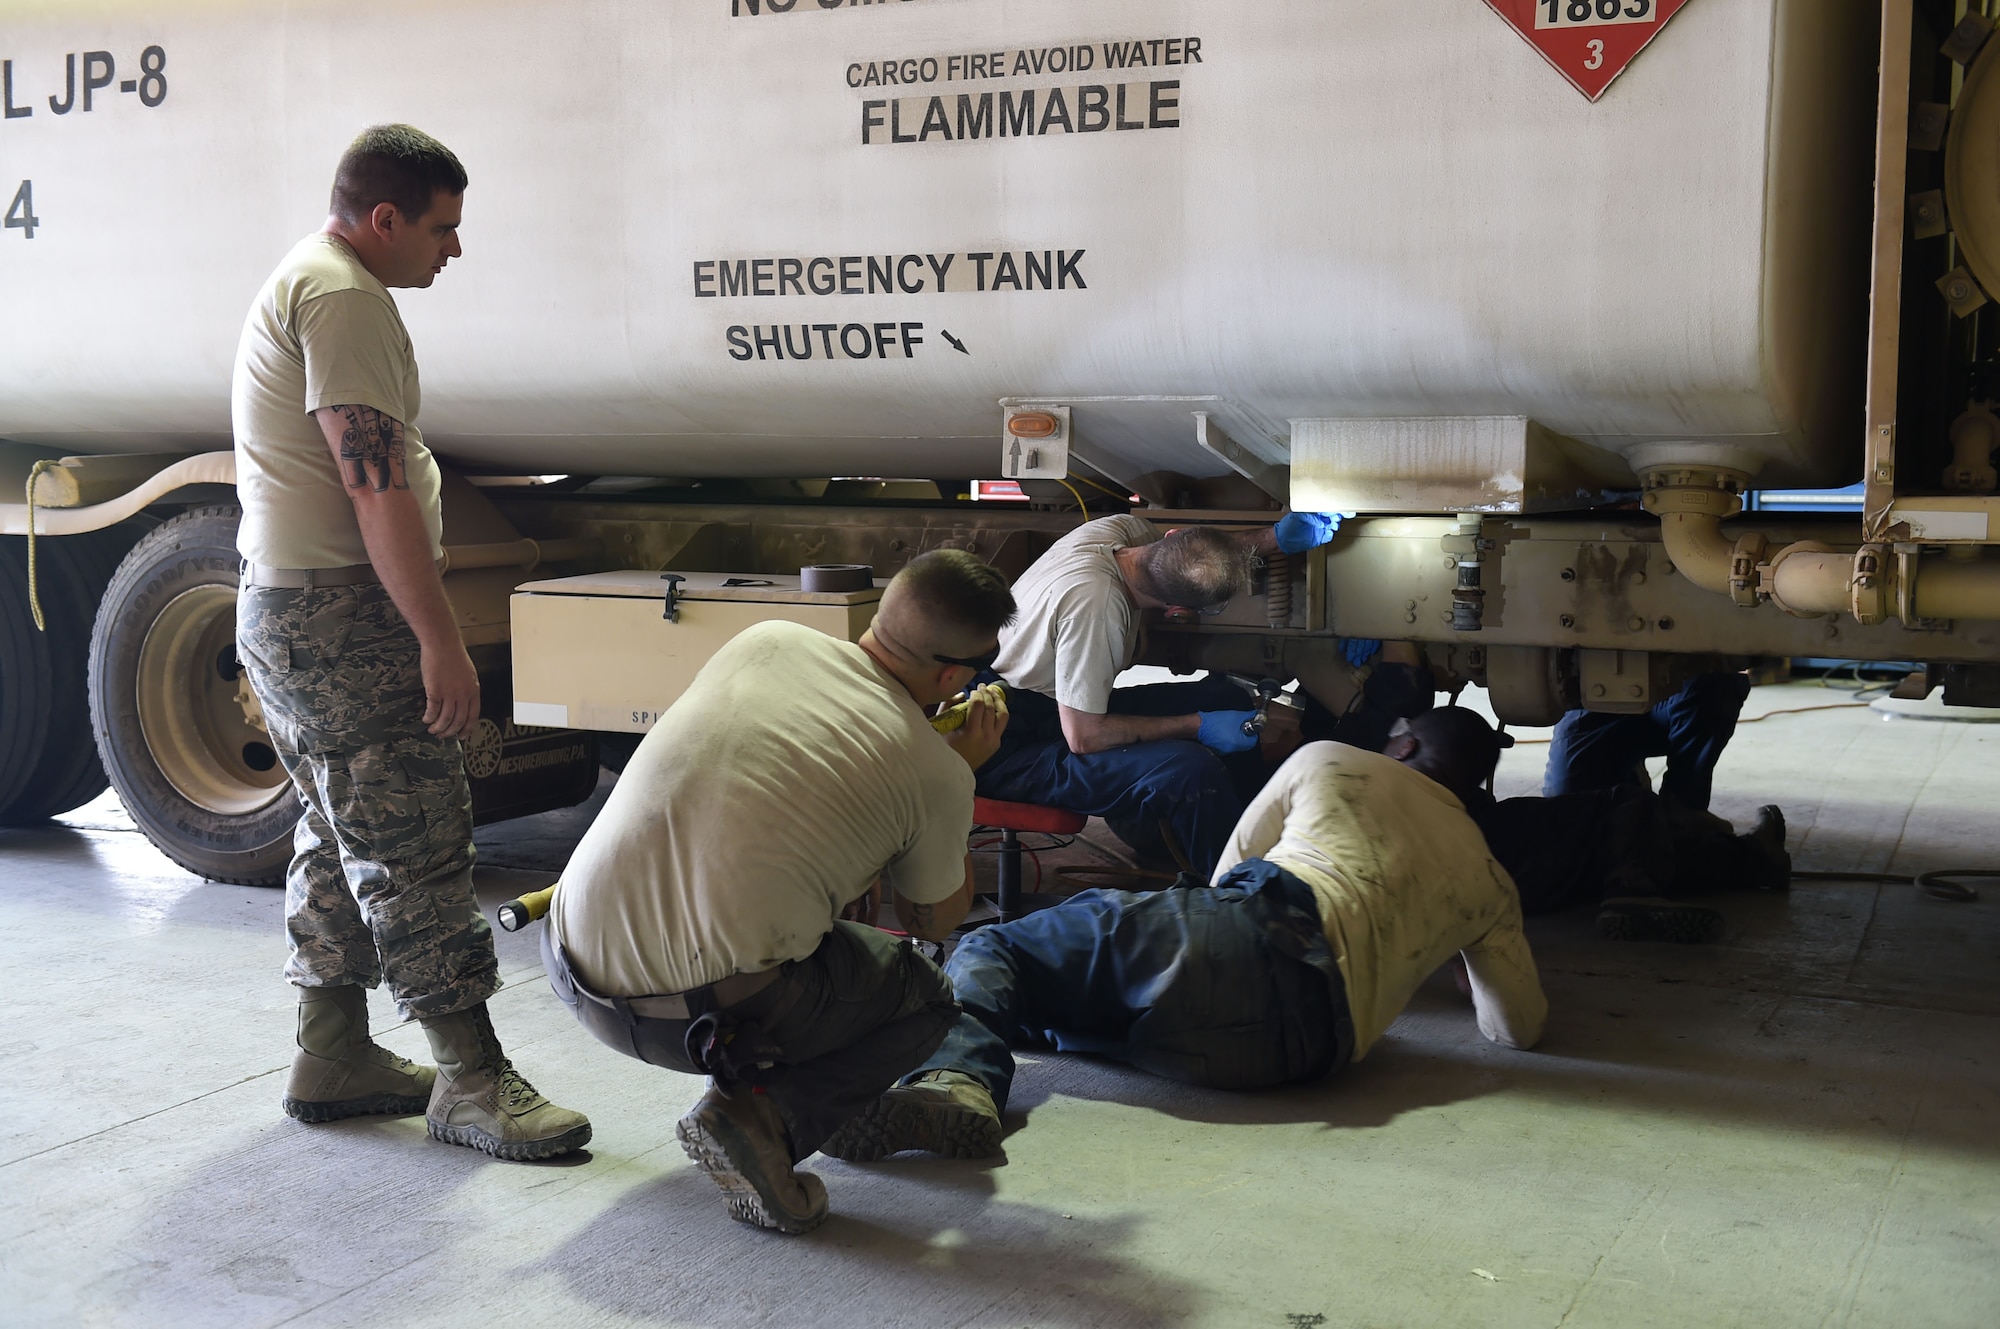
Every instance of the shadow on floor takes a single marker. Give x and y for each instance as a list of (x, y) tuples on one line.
[(952, 1248)]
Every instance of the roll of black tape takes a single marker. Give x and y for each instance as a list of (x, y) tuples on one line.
[(830, 577)]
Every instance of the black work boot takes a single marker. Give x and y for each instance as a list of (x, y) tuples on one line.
[(1766, 846), (338, 1072), (943, 1112), (482, 1102), (1654, 919), (740, 1141)]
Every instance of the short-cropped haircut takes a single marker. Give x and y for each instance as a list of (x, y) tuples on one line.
[(395, 164), (962, 601), (1196, 567), (1458, 744)]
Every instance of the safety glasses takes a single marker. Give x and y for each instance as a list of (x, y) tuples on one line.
[(981, 662)]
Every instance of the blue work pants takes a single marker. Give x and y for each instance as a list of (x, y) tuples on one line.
[(1232, 987), (1197, 793), (1690, 729)]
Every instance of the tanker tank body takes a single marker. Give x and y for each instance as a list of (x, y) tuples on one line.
[(719, 240), (1376, 258)]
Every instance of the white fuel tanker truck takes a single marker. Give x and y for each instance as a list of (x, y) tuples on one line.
[(755, 284)]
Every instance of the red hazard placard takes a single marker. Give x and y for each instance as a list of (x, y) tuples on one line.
[(1588, 41)]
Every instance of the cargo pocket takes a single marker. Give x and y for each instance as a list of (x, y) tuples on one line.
[(325, 621), (264, 628)]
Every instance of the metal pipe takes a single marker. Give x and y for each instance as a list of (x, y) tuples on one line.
[(1809, 579), (1957, 588), (202, 468), (523, 553), (1697, 547)]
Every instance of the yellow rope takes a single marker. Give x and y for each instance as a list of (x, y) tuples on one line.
[(34, 586), (1079, 500), (1107, 489)]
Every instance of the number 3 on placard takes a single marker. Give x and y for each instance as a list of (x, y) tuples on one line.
[(1596, 60)]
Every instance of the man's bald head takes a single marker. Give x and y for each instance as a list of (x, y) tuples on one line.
[(944, 603)]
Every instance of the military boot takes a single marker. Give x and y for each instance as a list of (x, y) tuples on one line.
[(337, 1072), (740, 1141), (1657, 920), (482, 1102), (1767, 843), (941, 1112)]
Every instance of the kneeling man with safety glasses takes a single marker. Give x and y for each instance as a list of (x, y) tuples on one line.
[(700, 925)]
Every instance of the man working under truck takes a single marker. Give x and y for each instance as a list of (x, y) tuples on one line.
[(1352, 876), (699, 924), (352, 649), (1591, 750), (1142, 756)]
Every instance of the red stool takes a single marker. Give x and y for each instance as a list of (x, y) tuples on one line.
[(1010, 819)]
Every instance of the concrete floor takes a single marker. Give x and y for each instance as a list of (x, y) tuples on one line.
[(1795, 1126)]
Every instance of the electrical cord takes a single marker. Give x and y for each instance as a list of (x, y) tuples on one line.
[(1082, 511), (1790, 710), (1103, 489), (1862, 688), (1937, 883)]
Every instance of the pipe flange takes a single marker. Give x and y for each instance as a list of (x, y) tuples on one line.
[(1873, 584), (1708, 491), (1744, 561)]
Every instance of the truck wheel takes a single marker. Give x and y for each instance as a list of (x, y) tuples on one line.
[(179, 731), (26, 677), (615, 750), (73, 570)]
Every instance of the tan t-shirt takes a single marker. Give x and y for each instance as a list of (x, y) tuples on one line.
[(1403, 878), (323, 332), (1075, 629), (791, 772)]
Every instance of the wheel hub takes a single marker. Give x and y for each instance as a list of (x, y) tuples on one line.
[(202, 722)]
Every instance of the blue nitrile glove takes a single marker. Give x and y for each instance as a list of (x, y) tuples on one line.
[(1359, 650), (1223, 731), (1300, 531)]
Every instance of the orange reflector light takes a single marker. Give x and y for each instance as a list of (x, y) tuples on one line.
[(1033, 424)]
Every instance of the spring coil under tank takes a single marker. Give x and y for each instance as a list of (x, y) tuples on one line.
[(1278, 589)]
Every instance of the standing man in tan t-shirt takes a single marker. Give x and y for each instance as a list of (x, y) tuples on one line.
[(352, 648)]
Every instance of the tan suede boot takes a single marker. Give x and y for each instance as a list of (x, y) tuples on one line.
[(739, 1140), (338, 1072), (482, 1102), (940, 1112)]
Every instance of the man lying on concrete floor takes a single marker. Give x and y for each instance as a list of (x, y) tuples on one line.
[(1142, 756), (1634, 854), (699, 924), (1352, 876), (1600, 833)]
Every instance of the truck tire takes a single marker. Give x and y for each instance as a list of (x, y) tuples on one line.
[(180, 735), (615, 750), (26, 677), (72, 570)]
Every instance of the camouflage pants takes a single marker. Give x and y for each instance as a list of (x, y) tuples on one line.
[(380, 887)]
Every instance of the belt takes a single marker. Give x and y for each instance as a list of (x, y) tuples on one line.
[(687, 1005), (305, 579)]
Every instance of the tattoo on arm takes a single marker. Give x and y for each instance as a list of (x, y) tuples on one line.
[(371, 450), (920, 918)]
